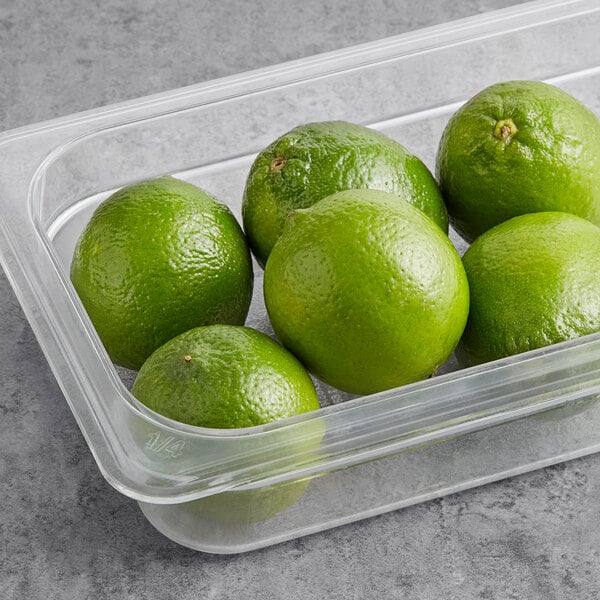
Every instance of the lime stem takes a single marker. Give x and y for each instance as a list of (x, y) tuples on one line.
[(277, 164), (505, 130)]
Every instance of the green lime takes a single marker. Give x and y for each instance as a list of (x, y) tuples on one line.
[(519, 147), (158, 258), (318, 159), (534, 281), (226, 376), (366, 290)]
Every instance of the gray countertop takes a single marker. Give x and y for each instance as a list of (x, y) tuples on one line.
[(65, 532)]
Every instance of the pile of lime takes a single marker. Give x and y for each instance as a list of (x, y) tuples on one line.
[(519, 168), (362, 285)]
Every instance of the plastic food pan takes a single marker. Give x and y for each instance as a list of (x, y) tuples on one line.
[(228, 491)]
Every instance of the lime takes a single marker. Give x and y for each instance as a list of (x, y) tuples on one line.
[(366, 290), (157, 258), (534, 281), (318, 159), (519, 147), (226, 376)]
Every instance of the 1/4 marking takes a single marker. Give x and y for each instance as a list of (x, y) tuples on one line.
[(165, 444)]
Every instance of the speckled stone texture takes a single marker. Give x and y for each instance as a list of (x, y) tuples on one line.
[(65, 533)]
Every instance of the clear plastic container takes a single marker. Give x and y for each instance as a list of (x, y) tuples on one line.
[(356, 457)]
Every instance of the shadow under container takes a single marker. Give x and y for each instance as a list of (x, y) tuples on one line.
[(228, 491)]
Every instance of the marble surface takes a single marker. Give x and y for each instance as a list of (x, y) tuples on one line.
[(65, 533)]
